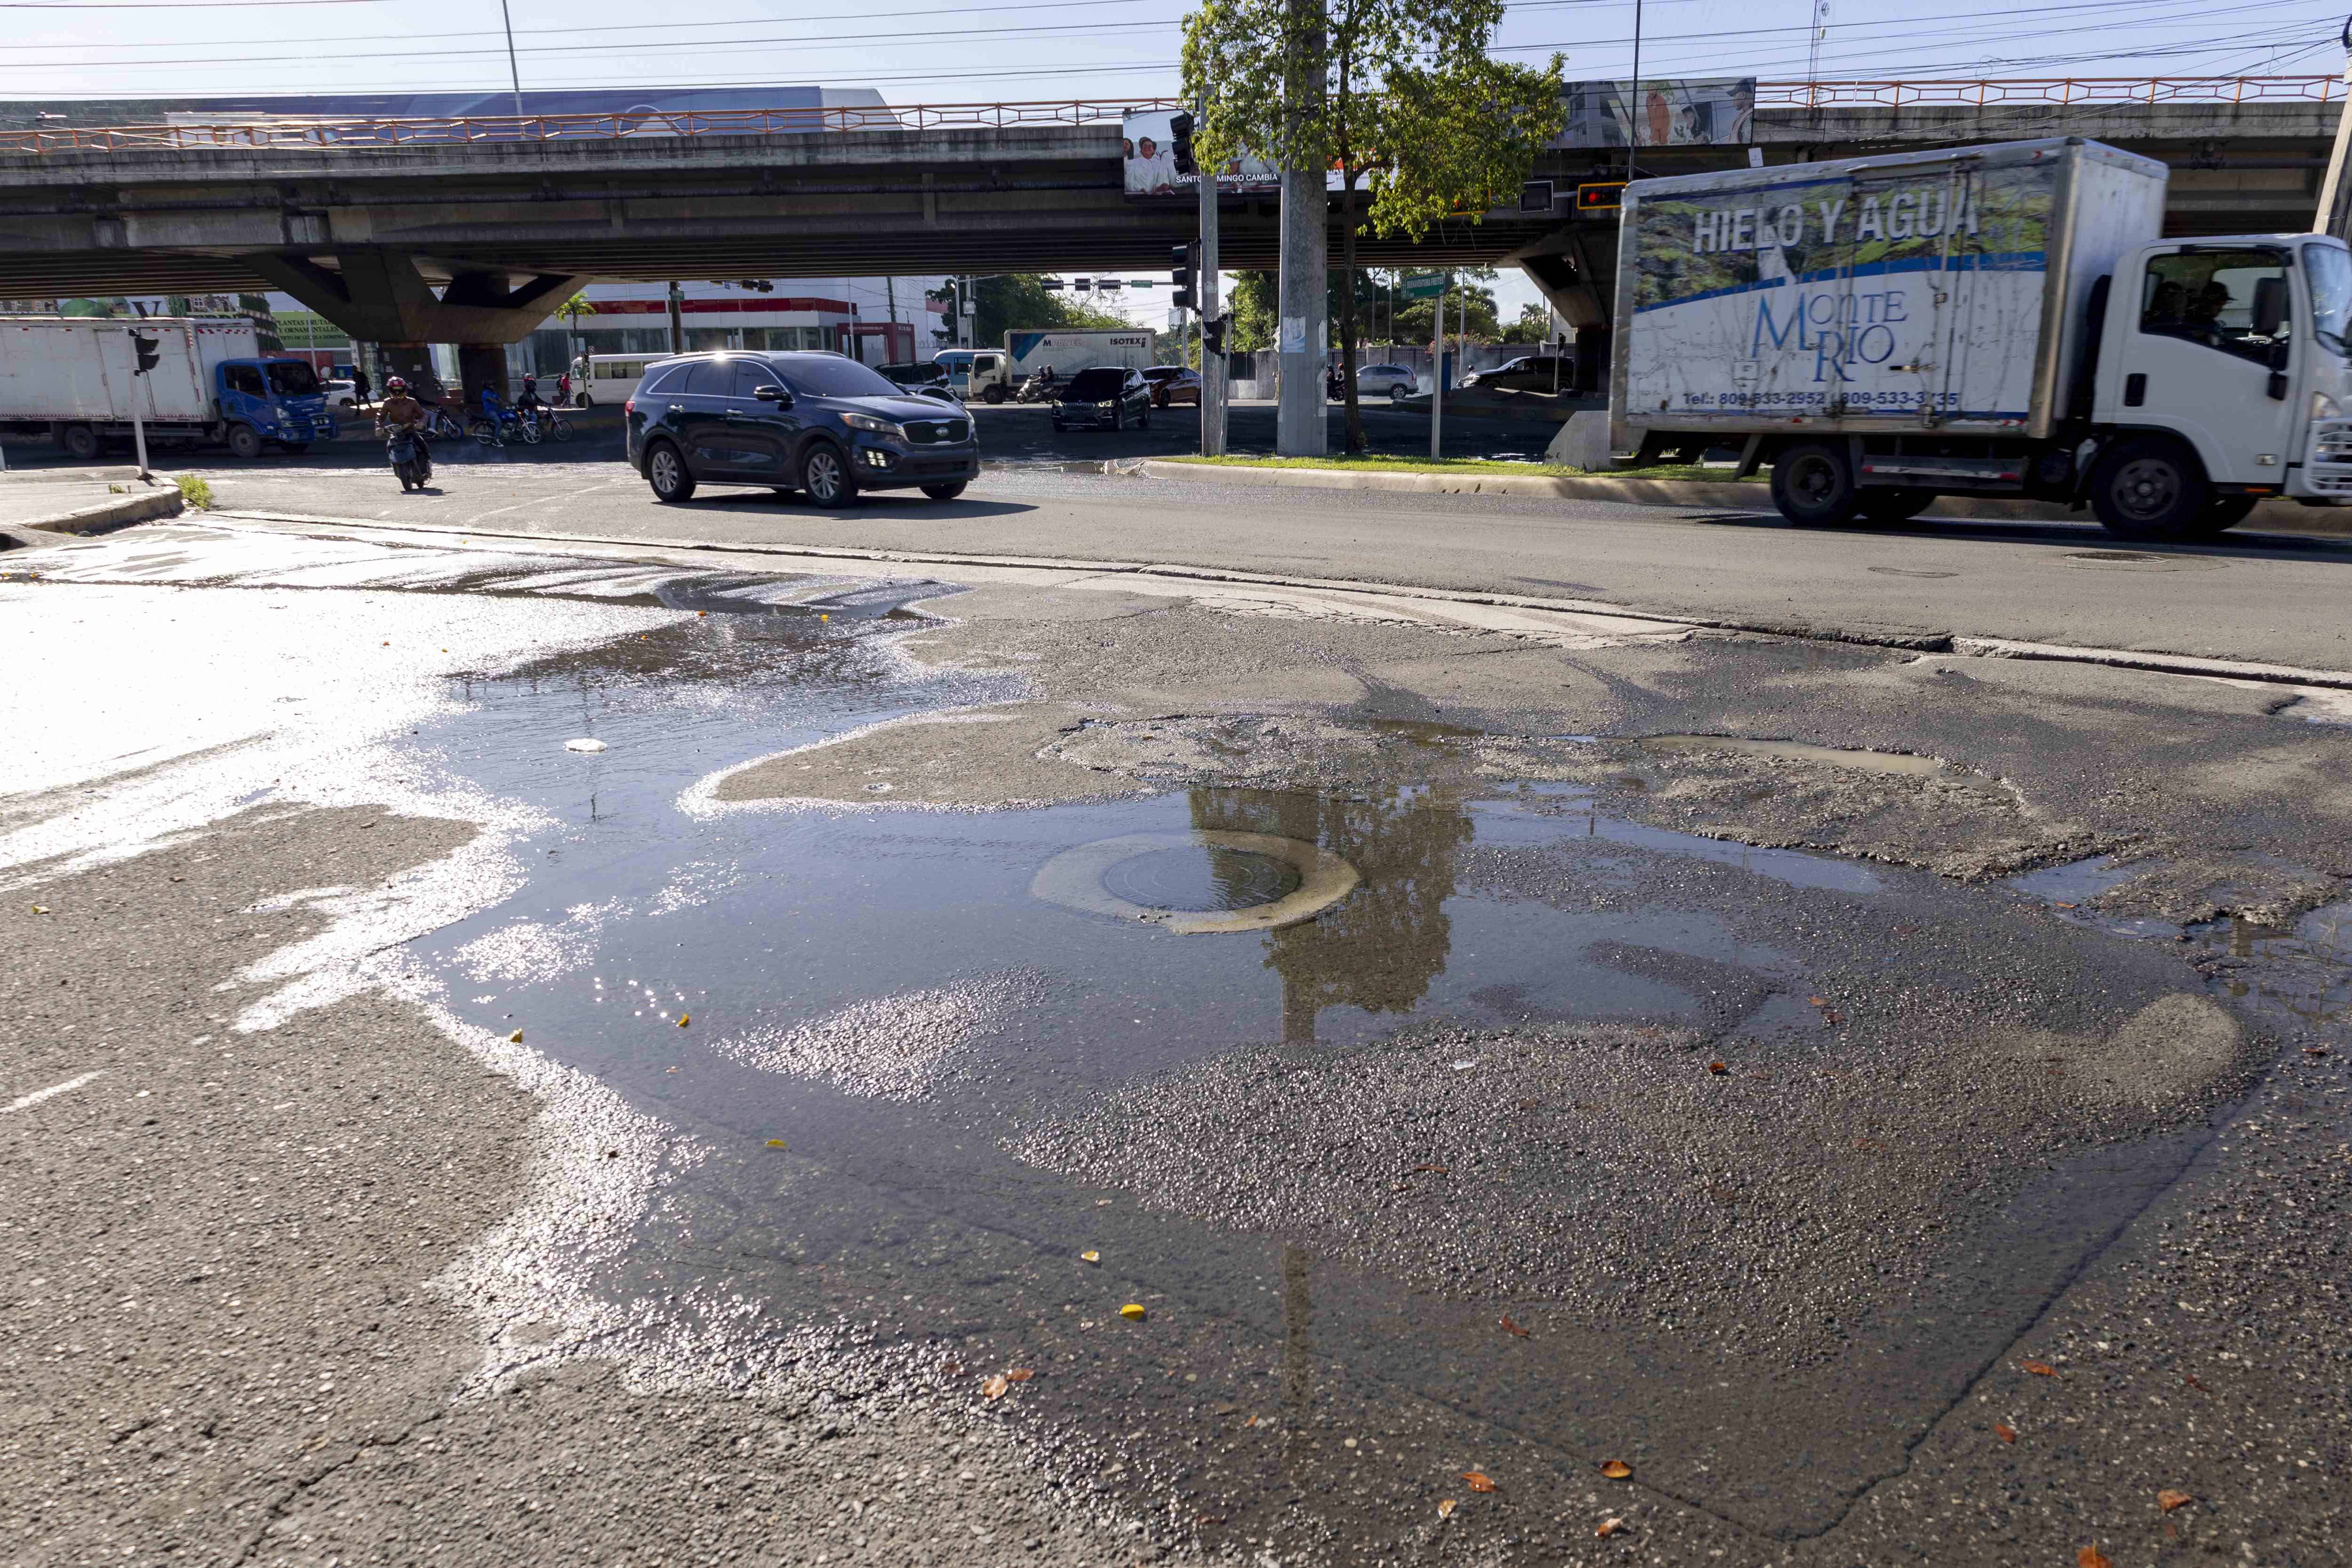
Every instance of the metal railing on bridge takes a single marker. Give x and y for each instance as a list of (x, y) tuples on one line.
[(374, 135)]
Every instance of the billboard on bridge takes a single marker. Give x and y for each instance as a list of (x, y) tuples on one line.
[(1678, 112), (1151, 164)]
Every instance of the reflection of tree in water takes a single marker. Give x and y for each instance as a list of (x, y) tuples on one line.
[(1381, 946)]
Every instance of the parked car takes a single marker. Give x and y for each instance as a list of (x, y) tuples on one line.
[(1529, 372), (1173, 383), (916, 374), (1394, 381), (817, 423), (340, 394), (1105, 397)]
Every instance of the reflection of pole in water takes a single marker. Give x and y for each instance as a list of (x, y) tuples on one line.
[(1294, 1334), (1298, 1012)]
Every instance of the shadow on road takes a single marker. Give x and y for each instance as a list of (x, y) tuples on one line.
[(2086, 538)]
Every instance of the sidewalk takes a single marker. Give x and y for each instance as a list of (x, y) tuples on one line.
[(38, 502)]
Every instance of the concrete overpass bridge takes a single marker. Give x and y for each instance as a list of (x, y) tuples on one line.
[(471, 231)]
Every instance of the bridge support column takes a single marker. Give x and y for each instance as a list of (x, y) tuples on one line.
[(412, 363), (482, 365), (1576, 269)]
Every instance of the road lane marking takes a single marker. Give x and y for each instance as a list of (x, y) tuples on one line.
[(40, 1094), (544, 500)]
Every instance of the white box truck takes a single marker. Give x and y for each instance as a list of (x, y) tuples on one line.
[(994, 375), (1982, 320), (70, 377)]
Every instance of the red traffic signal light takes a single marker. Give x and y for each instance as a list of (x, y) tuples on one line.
[(1606, 197)]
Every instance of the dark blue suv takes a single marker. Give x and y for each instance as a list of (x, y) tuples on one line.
[(817, 423)]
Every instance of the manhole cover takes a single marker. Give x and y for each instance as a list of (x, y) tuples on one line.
[(1199, 882), (1201, 878)]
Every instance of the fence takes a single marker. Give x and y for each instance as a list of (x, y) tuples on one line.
[(1254, 372), (366, 136)]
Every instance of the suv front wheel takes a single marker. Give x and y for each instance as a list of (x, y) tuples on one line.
[(824, 475)]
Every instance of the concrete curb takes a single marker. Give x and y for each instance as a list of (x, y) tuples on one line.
[(2270, 517), (116, 511), (1957, 643)]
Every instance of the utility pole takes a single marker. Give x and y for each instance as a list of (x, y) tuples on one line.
[(514, 72), (676, 320), (1437, 374), (2330, 217), (890, 298), (1301, 429), (1634, 98), (1213, 365)]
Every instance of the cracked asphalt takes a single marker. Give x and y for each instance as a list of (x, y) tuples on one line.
[(1892, 1105)]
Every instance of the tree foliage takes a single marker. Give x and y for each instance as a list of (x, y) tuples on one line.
[(1399, 94)]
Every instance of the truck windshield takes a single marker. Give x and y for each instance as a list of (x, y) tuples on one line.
[(292, 378), (2329, 267)]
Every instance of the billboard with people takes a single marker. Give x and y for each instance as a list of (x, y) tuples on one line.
[(1678, 112), (1150, 155)]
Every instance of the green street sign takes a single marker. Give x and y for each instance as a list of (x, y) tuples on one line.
[(1427, 286)]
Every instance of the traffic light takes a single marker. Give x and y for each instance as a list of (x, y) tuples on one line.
[(1180, 142), (1605, 197), (148, 351), (1213, 335), (1051, 283), (1181, 274)]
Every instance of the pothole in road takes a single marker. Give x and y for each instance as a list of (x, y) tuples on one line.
[(1479, 1077)]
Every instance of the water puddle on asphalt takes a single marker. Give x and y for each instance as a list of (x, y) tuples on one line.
[(1327, 1084)]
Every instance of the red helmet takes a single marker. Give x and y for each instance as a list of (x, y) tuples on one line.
[(394, 384)]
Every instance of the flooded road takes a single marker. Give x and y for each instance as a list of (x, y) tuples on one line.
[(1346, 1164)]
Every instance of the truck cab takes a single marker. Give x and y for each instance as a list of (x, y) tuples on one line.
[(260, 400), (2224, 367)]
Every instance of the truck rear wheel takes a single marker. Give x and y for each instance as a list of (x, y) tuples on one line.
[(79, 441), (2149, 487), (1812, 485)]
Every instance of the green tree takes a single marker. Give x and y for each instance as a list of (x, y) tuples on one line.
[(1254, 303), (1399, 93), (572, 309), (1534, 326), (1469, 313)]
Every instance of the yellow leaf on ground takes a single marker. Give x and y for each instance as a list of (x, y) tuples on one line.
[(995, 1387), (682, 1019), (2168, 1500), (1090, 1256), (515, 1038), (1616, 1470), (1608, 1527), (1133, 1311), (1445, 1507), (775, 1142), (2091, 1557)]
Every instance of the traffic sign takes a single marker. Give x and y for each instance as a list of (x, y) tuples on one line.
[(1424, 285)]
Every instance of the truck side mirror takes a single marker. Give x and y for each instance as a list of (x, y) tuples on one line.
[(2270, 306)]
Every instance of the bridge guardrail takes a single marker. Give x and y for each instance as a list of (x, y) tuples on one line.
[(366, 136)]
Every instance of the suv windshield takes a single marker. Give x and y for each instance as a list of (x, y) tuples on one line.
[(822, 376), (292, 378), (2329, 267), (1102, 382)]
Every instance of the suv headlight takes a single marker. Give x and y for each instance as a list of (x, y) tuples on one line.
[(877, 426)]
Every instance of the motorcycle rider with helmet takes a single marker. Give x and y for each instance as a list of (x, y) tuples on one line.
[(400, 413)]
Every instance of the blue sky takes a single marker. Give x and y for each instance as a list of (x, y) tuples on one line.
[(962, 51)]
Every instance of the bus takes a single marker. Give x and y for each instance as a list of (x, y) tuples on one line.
[(611, 378)]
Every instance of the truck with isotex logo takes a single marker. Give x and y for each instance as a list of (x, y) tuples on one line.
[(1983, 320)]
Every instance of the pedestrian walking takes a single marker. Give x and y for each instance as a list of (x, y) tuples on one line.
[(360, 384)]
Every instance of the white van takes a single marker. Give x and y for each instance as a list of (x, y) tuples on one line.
[(613, 378)]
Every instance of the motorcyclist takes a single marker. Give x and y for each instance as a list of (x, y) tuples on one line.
[(529, 400), (399, 411)]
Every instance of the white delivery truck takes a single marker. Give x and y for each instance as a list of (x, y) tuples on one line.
[(994, 375), (70, 377), (1983, 320)]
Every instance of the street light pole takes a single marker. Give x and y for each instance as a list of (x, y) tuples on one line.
[(514, 72)]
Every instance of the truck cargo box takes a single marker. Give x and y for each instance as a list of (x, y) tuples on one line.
[(1943, 290)]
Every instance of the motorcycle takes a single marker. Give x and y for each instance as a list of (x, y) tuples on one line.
[(1036, 389), (412, 462)]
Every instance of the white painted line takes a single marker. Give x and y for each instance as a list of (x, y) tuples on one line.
[(40, 1094)]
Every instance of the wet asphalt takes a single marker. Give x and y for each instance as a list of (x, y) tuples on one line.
[(1659, 1108)]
